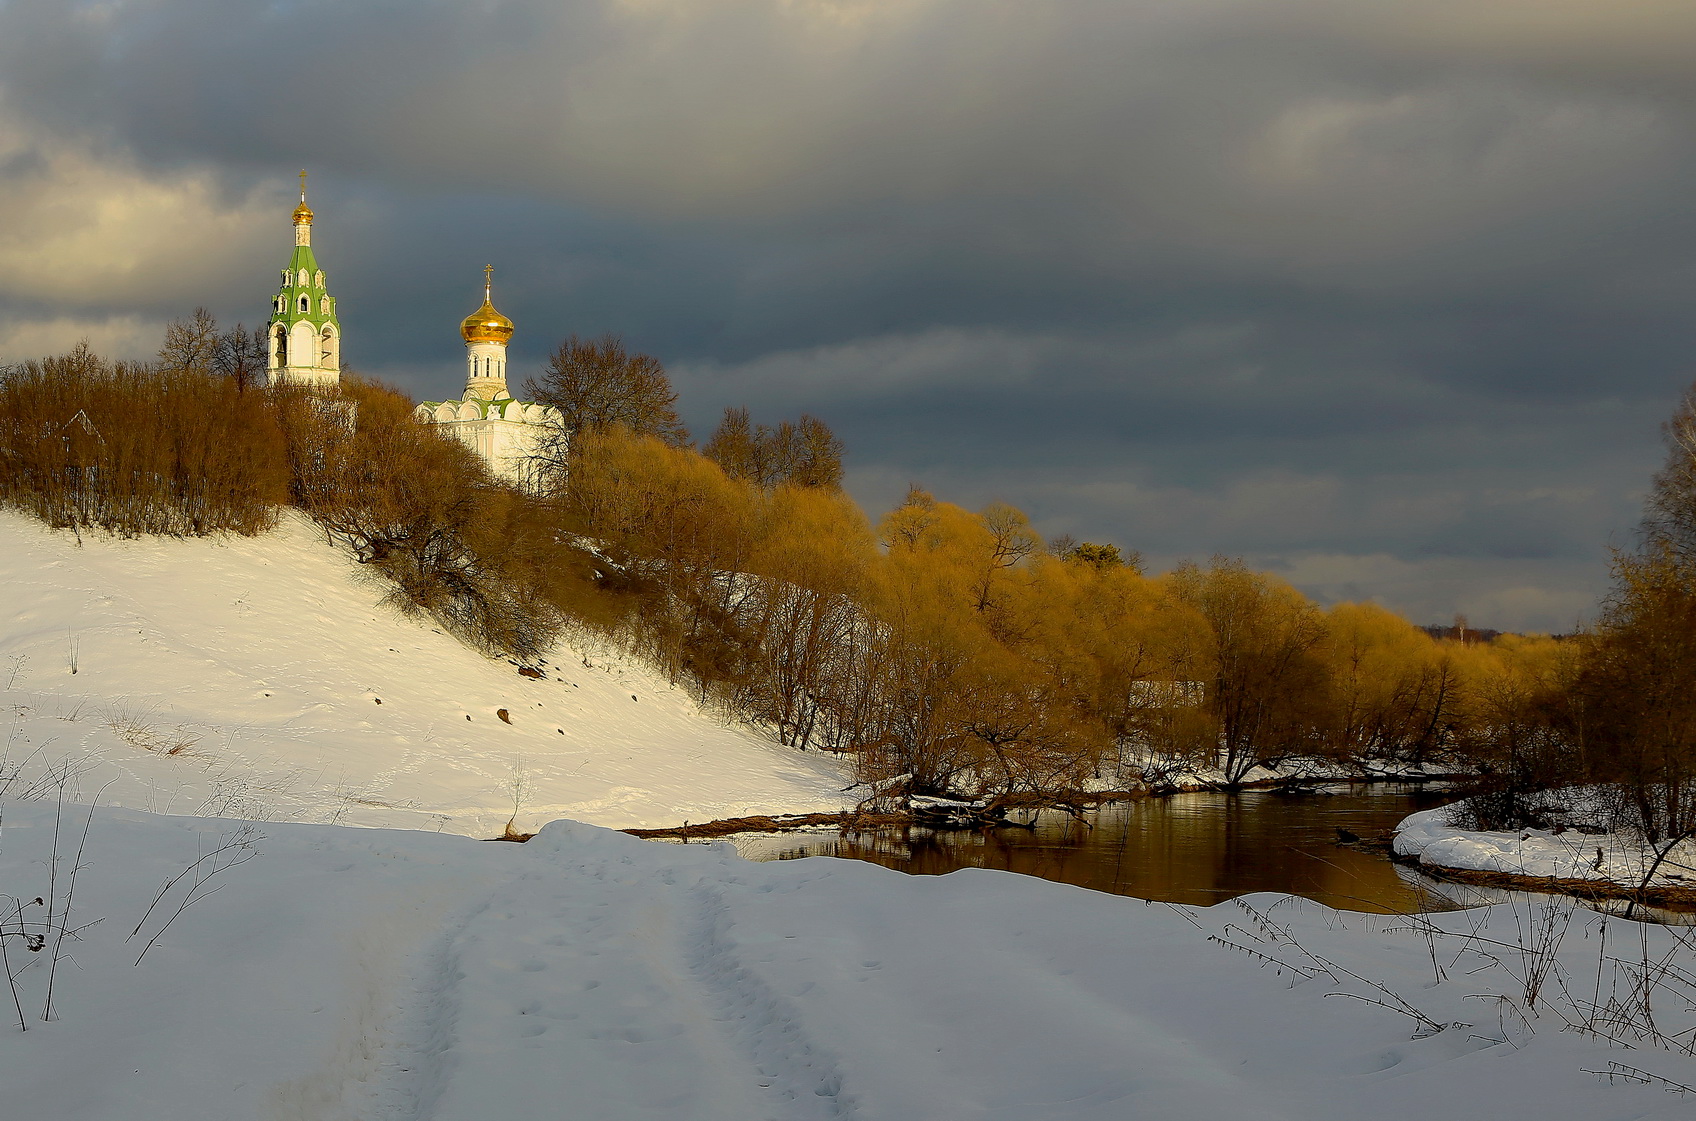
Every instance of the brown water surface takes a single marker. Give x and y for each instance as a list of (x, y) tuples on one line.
[(1187, 848)]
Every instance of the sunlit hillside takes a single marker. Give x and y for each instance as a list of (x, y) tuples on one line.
[(262, 677)]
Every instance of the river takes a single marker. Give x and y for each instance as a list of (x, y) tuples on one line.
[(1199, 848)]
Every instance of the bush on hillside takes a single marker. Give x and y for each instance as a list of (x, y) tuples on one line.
[(132, 450), (425, 510), (180, 449)]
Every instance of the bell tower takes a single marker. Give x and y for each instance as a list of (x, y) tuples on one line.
[(304, 338)]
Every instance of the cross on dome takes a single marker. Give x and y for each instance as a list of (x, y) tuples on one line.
[(303, 213), (486, 325)]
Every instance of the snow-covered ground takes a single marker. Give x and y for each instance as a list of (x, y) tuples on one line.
[(383, 975), (333, 974), (260, 677), (1620, 857)]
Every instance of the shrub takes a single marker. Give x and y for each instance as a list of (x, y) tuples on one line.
[(91, 444)]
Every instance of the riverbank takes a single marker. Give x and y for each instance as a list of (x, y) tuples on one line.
[(958, 813), (1579, 855), (1302, 771)]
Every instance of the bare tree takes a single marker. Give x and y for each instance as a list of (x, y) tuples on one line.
[(597, 385), (190, 344), (241, 356), (806, 454)]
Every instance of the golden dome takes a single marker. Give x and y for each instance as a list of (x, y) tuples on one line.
[(486, 325)]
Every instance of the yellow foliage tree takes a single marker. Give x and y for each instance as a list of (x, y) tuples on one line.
[(1393, 689)]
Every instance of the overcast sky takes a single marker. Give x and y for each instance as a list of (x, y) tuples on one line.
[(1389, 298)]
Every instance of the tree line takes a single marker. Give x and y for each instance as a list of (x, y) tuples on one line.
[(947, 651)]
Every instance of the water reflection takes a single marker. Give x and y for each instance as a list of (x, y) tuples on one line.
[(1187, 848)]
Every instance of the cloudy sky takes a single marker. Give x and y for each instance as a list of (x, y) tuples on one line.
[(1390, 298)]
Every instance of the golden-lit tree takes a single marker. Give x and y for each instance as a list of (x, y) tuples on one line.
[(806, 454), (675, 527), (1514, 694), (1393, 689), (1262, 643), (802, 611), (1637, 690)]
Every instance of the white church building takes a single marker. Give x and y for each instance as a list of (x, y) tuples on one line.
[(504, 431), (304, 345)]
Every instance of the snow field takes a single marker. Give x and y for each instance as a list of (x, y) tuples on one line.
[(388, 975), (262, 677)]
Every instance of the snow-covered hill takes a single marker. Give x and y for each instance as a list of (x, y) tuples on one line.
[(261, 677)]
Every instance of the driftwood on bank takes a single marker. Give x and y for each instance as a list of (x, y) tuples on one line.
[(1664, 896)]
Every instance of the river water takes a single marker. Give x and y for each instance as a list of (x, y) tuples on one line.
[(1186, 848)]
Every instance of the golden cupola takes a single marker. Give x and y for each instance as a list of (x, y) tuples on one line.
[(486, 325), (303, 213)]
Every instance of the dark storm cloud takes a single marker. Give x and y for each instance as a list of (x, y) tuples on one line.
[(1388, 297)]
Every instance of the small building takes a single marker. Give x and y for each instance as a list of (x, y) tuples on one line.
[(506, 432)]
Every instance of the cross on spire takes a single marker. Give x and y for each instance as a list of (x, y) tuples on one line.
[(488, 281), (303, 184)]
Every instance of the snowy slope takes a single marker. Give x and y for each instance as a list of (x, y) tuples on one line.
[(385, 975), (262, 662)]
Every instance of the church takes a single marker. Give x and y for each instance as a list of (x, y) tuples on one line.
[(304, 348)]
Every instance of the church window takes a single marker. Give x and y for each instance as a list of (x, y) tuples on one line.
[(282, 347), (302, 280), (318, 279), (324, 305), (305, 304)]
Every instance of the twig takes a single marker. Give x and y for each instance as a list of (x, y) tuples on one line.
[(242, 840), (53, 881), (172, 882), (6, 962), (65, 917), (1428, 1026), (1646, 1078)]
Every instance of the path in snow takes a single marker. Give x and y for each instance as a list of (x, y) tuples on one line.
[(557, 989)]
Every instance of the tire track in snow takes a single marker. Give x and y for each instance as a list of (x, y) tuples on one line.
[(802, 1080), (418, 1059), (388, 1052)]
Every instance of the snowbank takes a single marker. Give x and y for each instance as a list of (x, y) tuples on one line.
[(261, 677), (386, 975), (1618, 859)]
